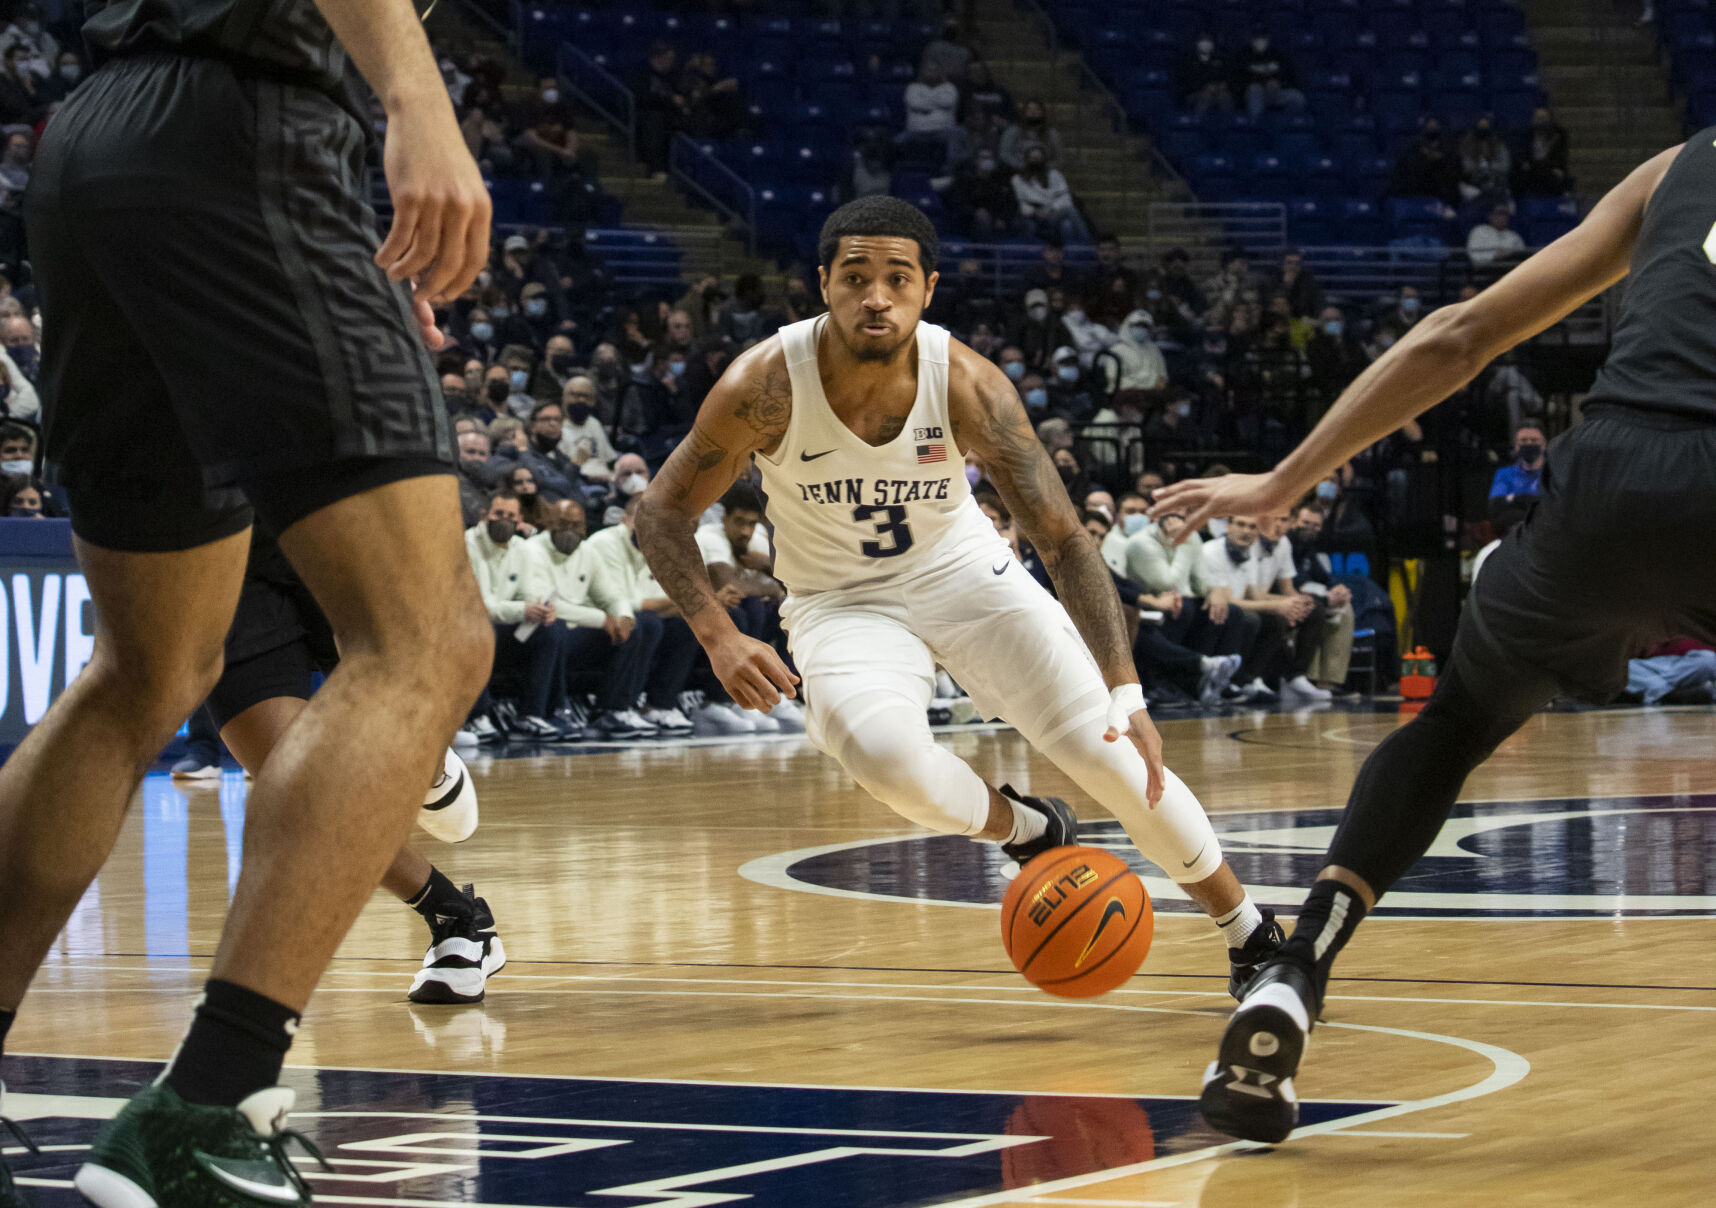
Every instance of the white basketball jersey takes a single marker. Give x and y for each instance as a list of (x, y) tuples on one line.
[(848, 513)]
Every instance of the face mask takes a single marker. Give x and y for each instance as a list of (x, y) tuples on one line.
[(69, 72), (1155, 295), (1527, 453), (501, 531), (1067, 373), (1333, 327), (1133, 522), (565, 540), (1138, 333), (536, 308), (632, 484), (1260, 44), (482, 332), (973, 475), (1268, 545), (501, 312), (1037, 312), (1206, 47), (1327, 490), (520, 379), (613, 516), (545, 443), (455, 400), (676, 368), (496, 391), (26, 466), (1014, 370), (561, 363), (1037, 398), (24, 356), (1409, 306), (1305, 536), (1067, 473), (577, 413), (551, 96)]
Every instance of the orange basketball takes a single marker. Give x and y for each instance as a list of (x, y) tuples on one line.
[(1077, 922)]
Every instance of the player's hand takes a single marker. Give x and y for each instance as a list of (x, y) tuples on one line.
[(432, 336), (440, 233), (1137, 726), (752, 672), (1230, 495)]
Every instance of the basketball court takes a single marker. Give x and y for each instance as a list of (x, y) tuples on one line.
[(736, 979)]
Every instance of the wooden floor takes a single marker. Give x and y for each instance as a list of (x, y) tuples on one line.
[(1545, 1037)]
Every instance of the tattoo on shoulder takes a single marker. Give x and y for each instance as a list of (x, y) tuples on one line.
[(767, 405)]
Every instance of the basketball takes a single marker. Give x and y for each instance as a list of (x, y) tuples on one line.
[(1077, 922)]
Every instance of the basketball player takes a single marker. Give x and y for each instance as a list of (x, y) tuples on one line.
[(859, 421), (279, 641), (222, 333), (1616, 556)]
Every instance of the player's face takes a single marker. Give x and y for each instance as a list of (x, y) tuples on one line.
[(876, 291)]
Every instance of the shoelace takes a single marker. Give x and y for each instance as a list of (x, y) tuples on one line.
[(276, 1146)]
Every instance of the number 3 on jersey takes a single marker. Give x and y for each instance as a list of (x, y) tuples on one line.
[(891, 524)]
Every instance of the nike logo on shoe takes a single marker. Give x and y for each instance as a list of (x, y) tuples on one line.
[(450, 796), (814, 456), (1115, 907), (258, 1180)]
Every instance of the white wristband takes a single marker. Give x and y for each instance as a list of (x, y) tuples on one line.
[(1123, 702)]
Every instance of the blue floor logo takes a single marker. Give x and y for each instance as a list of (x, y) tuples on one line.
[(1572, 858), (413, 1139)]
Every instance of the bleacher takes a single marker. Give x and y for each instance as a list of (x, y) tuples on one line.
[(1687, 32)]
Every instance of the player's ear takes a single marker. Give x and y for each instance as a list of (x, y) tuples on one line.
[(929, 288), (822, 283)]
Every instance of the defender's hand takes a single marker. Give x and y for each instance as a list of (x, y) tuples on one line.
[(1231, 495), (440, 233), (752, 672)]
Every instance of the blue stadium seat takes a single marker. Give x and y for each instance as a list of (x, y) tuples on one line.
[(1308, 221), (1397, 111), (1540, 209), (1360, 222), (1213, 177), (1513, 109), (1266, 176), (1296, 146), (1181, 146), (1460, 109), (1323, 172)]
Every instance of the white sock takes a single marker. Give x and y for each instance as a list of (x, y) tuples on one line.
[(1238, 924), (1028, 823)]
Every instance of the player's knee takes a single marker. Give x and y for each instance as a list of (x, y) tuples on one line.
[(899, 769), (153, 691)]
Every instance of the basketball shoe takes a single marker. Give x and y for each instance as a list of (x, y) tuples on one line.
[(1062, 829), (464, 952), (1248, 1088), (449, 810), (10, 1195), (161, 1152), (1245, 963)]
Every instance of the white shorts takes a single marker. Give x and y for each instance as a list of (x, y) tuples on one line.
[(1004, 639)]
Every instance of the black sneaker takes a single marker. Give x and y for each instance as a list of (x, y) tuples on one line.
[(1245, 962), (464, 952), (570, 725), (1248, 1089), (505, 713), (10, 1194), (534, 729), (616, 724), (1062, 830)]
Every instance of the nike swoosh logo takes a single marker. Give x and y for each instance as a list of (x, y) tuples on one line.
[(451, 796), (1115, 907), (1000, 570), (814, 456), (243, 1178), (1197, 857)]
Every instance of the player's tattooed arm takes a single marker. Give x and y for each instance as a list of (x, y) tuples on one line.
[(989, 419)]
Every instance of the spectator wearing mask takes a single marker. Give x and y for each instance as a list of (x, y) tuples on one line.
[(1011, 359), (1495, 244), (1052, 272), (17, 450), (20, 102), (1236, 574), (1297, 284), (536, 658), (1206, 621), (631, 476), (23, 497), (1046, 201), (1428, 168), (67, 75), (1032, 129), (557, 477), (536, 313), (604, 639), (1133, 362), (559, 364), (1399, 318), (681, 334), (1516, 485), (1540, 170), (1333, 354), (1178, 285), (1485, 164), (1040, 332), (506, 390), (1313, 576), (480, 336), (15, 163), (982, 200), (1072, 476), (1069, 394), (1111, 275), (18, 336), (1129, 522), (1204, 79), (477, 477), (1267, 77), (456, 396), (18, 398), (583, 438)]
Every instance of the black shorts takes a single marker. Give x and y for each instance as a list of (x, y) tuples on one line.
[(215, 326), (279, 640), (1618, 555)]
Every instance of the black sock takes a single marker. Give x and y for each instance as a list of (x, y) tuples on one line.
[(236, 1046), (6, 1020), (439, 896), (1326, 922)]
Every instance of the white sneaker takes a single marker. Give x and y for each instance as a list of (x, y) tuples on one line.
[(764, 723), (637, 721), (1304, 689), (945, 688), (1257, 690), (715, 719), (449, 810), (1218, 673), (669, 722), (464, 739), (790, 715), (483, 730)]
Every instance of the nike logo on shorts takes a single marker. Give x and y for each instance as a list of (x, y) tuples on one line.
[(814, 456), (1115, 907), (1000, 570)]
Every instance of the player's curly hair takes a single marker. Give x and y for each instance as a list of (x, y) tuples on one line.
[(880, 215)]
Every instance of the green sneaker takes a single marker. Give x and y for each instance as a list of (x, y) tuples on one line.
[(161, 1152), (10, 1196)]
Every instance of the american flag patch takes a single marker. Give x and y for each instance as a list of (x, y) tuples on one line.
[(930, 454)]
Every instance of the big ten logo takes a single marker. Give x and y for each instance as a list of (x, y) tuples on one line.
[(926, 434), (48, 623), (1048, 899)]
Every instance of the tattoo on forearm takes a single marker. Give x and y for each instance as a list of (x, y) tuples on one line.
[(670, 548), (1087, 592)]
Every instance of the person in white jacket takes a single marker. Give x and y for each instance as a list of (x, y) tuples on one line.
[(527, 642), (1046, 199), (603, 636)]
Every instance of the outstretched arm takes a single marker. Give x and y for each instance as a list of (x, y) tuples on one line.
[(745, 413), (1440, 355), (989, 419)]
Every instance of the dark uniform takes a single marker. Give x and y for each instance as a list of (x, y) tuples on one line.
[(216, 332)]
